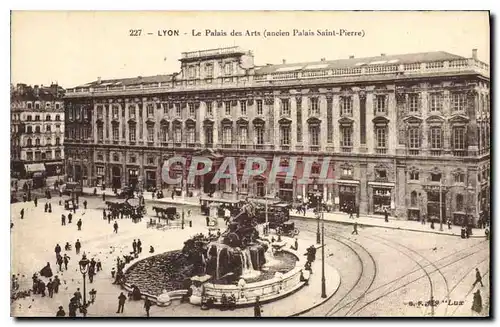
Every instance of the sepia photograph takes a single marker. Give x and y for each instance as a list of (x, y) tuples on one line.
[(212, 164)]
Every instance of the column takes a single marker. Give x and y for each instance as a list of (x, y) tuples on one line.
[(370, 133), (216, 113), (124, 157), (94, 127), (107, 125), (336, 117), (126, 124), (293, 126), (121, 122), (362, 122), (363, 189), (472, 137), (305, 126), (400, 191), (425, 128), (199, 122), (323, 124), (392, 129), (356, 125)]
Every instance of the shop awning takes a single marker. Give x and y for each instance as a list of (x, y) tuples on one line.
[(383, 184), (53, 163), (36, 167), (347, 181)]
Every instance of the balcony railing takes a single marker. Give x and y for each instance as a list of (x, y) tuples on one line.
[(346, 149), (459, 153), (314, 148), (435, 152), (414, 152), (381, 150)]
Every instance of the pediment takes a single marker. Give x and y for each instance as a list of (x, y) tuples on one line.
[(380, 121), (226, 121), (435, 119), (459, 119), (258, 121), (164, 121), (242, 121), (190, 121), (313, 120), (346, 121), (285, 121), (412, 120)]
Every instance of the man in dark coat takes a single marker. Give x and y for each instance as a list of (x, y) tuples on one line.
[(386, 216), (73, 306), (50, 208), (479, 279), (22, 213), (78, 296), (46, 207), (57, 249), (41, 287), (355, 228), (46, 271), (56, 284), (147, 306), (121, 302), (60, 312), (103, 196), (66, 260), (70, 216), (257, 308), (134, 246), (78, 246), (91, 274), (63, 220), (115, 227), (79, 224), (35, 201), (85, 204), (50, 288), (139, 246)]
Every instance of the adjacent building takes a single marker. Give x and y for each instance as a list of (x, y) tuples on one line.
[(37, 132), (407, 133)]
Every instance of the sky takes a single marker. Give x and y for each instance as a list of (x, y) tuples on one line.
[(76, 47)]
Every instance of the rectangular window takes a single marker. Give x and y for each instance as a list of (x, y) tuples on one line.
[(178, 110), (314, 109), (48, 128), (150, 109), (37, 106), (209, 108), (314, 135), (191, 72), (346, 140), (131, 111), (243, 107), (178, 135), (381, 104), (228, 68), (259, 107), (116, 111), (190, 135), (346, 106), (459, 178), (29, 156), (165, 108), (209, 135), (209, 70), (227, 105), (459, 138), (414, 138), (347, 172), (414, 175), (458, 101), (243, 135), (285, 107), (436, 101), (151, 134), (164, 133), (29, 105), (57, 106), (227, 135), (100, 157), (259, 132), (381, 135), (37, 118), (285, 135), (58, 154), (100, 133), (131, 134), (413, 103), (115, 133), (436, 138), (191, 109), (38, 156)]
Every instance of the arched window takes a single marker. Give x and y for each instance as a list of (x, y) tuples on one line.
[(28, 142), (413, 199), (37, 129), (116, 157), (49, 141), (47, 117), (37, 141), (460, 202), (58, 117), (58, 141)]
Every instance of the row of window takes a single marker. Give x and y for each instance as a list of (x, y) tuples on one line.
[(459, 201), (458, 140), (48, 141), (38, 155), (458, 177), (208, 70), (48, 128), (47, 118), (29, 105)]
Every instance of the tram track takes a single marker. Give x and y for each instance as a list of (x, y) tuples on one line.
[(427, 274)]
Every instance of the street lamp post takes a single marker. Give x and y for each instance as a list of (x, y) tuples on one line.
[(441, 204), (267, 214), (323, 282), (84, 268)]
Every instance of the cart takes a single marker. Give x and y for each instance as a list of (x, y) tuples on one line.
[(288, 229)]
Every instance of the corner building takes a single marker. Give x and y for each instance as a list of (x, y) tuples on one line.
[(400, 129)]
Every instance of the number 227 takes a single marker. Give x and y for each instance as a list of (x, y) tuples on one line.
[(135, 32)]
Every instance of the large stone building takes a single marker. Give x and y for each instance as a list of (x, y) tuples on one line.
[(399, 128), (37, 131)]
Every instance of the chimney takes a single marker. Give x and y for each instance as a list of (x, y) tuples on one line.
[(284, 61), (351, 57), (382, 54), (474, 54), (323, 59), (99, 80), (36, 90)]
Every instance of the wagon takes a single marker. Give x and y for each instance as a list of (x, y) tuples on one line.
[(288, 229)]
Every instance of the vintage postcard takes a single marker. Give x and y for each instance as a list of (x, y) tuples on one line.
[(250, 164)]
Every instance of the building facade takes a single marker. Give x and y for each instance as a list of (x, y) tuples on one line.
[(406, 133), (37, 131)]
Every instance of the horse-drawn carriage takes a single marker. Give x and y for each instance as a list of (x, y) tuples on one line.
[(166, 213)]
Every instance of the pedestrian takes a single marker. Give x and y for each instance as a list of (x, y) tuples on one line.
[(46, 207), (151, 249), (99, 265), (115, 227), (386, 216), (56, 284), (63, 220), (351, 212), (104, 214), (134, 246), (60, 312), (103, 196), (57, 249), (35, 201), (139, 246), (59, 261), (79, 224), (357, 211), (487, 233), (50, 288), (91, 274), (41, 288), (35, 283), (72, 307), (147, 306), (355, 228), (85, 204), (78, 296), (66, 259), (121, 302), (92, 294), (449, 223), (257, 308), (207, 219), (479, 279), (50, 208), (22, 213), (78, 246), (477, 302), (70, 216)]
